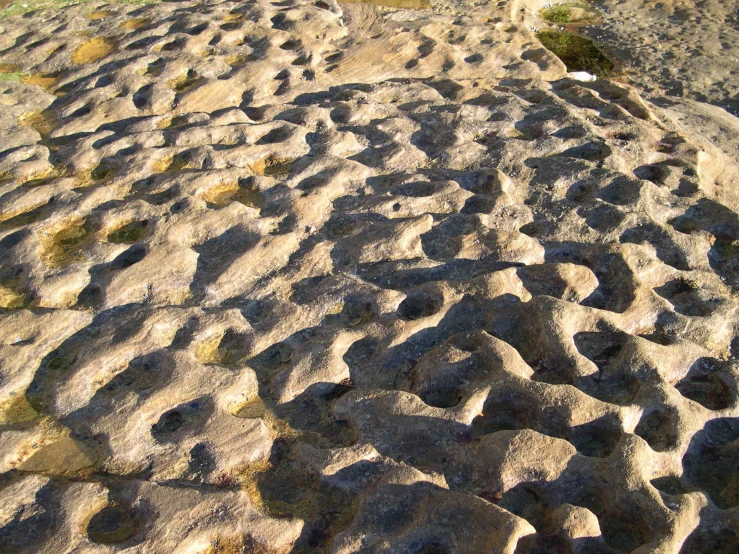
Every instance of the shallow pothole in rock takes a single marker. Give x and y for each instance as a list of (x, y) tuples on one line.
[(614, 382), (526, 501), (357, 311), (184, 419), (134, 23), (510, 412), (99, 15), (578, 53), (669, 485), (142, 374), (26, 216), (543, 544), (712, 537), (129, 232), (242, 191), (112, 525), (63, 245), (228, 349), (43, 122), (688, 298), (659, 427), (272, 360), (104, 170), (419, 304), (624, 529), (185, 82), (273, 166), (178, 162), (93, 50), (709, 384), (712, 460), (598, 438)]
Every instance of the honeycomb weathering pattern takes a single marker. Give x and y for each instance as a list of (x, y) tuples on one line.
[(294, 277)]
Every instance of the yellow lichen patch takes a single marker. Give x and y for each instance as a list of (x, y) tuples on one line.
[(38, 182), (82, 178), (46, 81), (93, 50), (62, 244), (64, 456), (233, 16), (164, 122), (10, 216), (41, 178), (237, 544), (221, 194), (273, 165), (10, 299), (42, 122), (162, 165), (229, 349), (97, 16), (9, 68), (206, 351), (225, 193), (16, 410), (185, 82), (246, 476), (226, 545), (251, 406), (237, 59), (173, 164), (336, 309), (135, 23), (251, 409)]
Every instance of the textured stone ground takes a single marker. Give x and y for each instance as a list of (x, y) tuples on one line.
[(294, 277), (675, 48)]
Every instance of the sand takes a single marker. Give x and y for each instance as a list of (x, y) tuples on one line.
[(305, 277)]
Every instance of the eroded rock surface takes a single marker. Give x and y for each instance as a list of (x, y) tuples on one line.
[(296, 277)]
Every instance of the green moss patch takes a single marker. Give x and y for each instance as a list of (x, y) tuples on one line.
[(569, 13), (556, 14), (14, 76)]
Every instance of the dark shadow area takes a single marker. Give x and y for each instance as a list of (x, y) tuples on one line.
[(712, 461)]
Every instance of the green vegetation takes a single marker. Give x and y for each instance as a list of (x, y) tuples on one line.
[(20, 7), (577, 52), (569, 13), (556, 14), (15, 76)]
